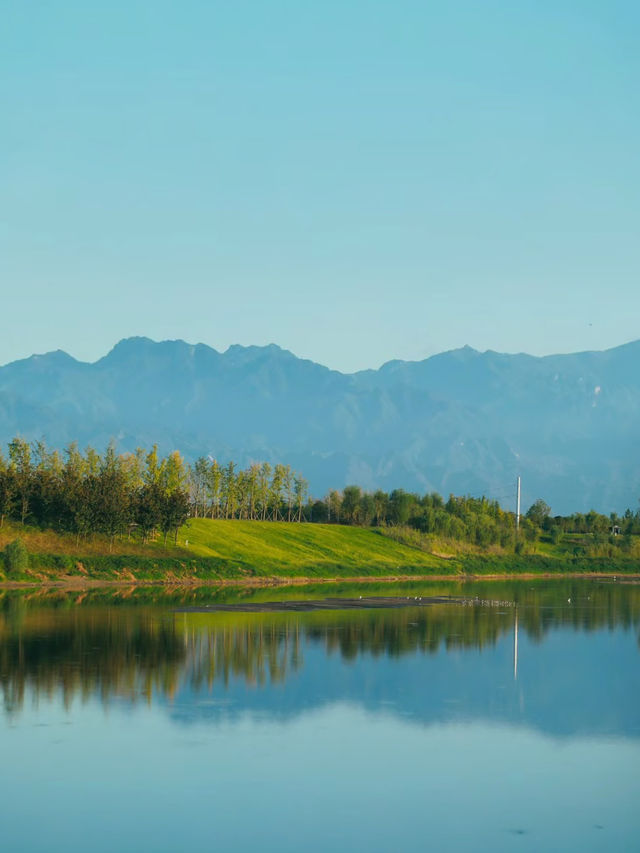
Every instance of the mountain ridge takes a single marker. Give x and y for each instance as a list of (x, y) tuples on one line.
[(466, 348), (462, 421)]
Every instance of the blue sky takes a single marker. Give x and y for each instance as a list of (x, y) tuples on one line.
[(355, 181)]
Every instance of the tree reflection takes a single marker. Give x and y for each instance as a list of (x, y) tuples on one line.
[(81, 646)]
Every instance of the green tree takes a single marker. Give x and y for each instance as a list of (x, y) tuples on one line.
[(46, 506), (334, 506), (229, 490), (199, 477), (154, 468), (113, 505), (20, 462), (175, 474), (15, 557), (149, 509), (215, 481), (289, 490), (400, 505), (351, 496), (538, 511), (301, 489), (7, 490), (275, 491), (264, 478), (380, 503), (175, 512), (366, 510)]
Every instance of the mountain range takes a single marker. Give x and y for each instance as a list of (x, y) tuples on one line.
[(461, 422)]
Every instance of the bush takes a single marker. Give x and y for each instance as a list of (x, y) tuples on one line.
[(16, 557)]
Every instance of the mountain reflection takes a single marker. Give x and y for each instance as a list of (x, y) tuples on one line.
[(135, 646)]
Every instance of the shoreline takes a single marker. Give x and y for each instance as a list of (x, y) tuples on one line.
[(73, 583)]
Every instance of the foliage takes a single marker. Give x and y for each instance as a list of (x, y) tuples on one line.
[(538, 512), (15, 557), (137, 497)]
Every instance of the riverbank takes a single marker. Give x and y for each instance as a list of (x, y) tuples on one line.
[(80, 584), (265, 553)]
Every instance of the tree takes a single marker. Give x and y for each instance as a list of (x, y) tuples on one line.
[(252, 486), (242, 494), (229, 490), (175, 512), (275, 492), (149, 509), (288, 490), (351, 496), (380, 503), (7, 490), (334, 506), (20, 461), (44, 493), (301, 489), (175, 474), (400, 506), (76, 498), (153, 466), (538, 511), (113, 507), (16, 557), (200, 473), (366, 510), (215, 479), (264, 477), (318, 512)]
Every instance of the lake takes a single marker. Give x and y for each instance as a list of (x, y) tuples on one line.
[(485, 716)]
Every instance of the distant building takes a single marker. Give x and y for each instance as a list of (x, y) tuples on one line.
[(615, 530)]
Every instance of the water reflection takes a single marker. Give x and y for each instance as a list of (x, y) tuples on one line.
[(133, 645), (352, 729)]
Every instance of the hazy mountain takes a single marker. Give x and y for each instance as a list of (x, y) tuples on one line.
[(461, 421)]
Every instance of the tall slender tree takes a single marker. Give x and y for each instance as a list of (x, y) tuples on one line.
[(20, 462)]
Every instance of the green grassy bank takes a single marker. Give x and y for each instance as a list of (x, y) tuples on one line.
[(251, 550)]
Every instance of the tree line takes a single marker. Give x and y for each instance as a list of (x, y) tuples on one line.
[(143, 494), (477, 520), (139, 493), (480, 521), (87, 493), (261, 492)]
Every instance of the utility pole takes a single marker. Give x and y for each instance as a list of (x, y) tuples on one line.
[(518, 505)]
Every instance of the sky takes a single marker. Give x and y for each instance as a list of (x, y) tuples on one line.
[(354, 181)]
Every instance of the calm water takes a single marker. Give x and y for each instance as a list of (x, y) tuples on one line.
[(506, 719)]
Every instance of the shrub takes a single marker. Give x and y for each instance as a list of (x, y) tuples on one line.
[(16, 557)]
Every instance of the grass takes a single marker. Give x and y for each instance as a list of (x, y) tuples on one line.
[(307, 549), (226, 550), (49, 542)]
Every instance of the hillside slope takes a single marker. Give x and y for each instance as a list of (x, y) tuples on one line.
[(283, 548)]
